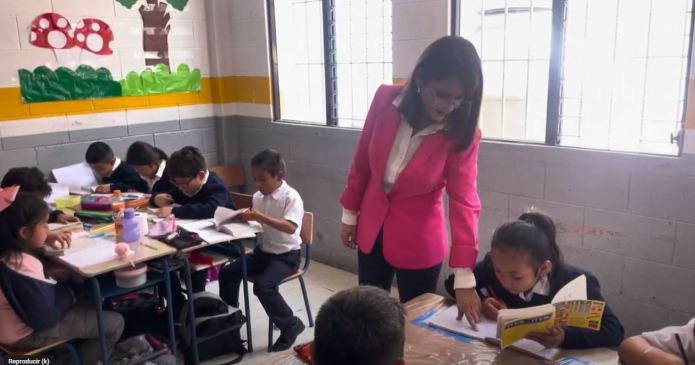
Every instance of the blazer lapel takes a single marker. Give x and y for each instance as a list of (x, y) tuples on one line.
[(418, 162), (389, 128)]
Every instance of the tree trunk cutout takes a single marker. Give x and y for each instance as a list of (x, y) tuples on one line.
[(155, 32)]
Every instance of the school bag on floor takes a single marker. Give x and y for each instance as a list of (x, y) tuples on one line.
[(213, 317)]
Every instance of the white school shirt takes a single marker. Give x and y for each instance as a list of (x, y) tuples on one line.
[(157, 176), (665, 339), (283, 203), (542, 287), (404, 147)]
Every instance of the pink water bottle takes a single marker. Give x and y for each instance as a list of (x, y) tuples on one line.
[(131, 229)]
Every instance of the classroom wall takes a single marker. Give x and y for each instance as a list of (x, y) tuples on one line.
[(628, 218)]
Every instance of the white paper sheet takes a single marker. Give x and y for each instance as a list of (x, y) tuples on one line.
[(57, 191), (85, 251), (77, 177)]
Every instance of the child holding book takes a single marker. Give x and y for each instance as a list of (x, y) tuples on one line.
[(32, 180), (35, 310), (279, 208), (524, 268), (113, 173)]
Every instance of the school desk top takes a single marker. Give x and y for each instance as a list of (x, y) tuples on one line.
[(425, 347), (149, 249)]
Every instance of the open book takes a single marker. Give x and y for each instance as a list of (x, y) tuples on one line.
[(569, 308), (78, 177), (224, 226)]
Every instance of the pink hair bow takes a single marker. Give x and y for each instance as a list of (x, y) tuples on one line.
[(7, 196)]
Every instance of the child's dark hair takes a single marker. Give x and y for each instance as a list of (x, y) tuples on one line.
[(533, 234), (269, 160), (27, 210), (186, 162), (144, 154), (449, 57), (362, 325), (99, 152), (29, 179)]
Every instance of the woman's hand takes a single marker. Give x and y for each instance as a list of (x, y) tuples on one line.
[(491, 307), (468, 303), (552, 338), (348, 233)]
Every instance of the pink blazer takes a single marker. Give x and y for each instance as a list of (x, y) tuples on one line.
[(412, 213)]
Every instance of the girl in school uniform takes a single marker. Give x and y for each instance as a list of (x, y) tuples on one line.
[(35, 310), (150, 162), (524, 268)]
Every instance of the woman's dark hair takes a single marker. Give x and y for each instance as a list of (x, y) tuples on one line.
[(29, 179), (448, 58), (27, 210), (99, 152), (186, 162), (533, 234), (144, 154)]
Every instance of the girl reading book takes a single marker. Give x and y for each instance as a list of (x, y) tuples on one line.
[(524, 268)]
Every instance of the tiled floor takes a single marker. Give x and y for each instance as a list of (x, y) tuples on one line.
[(322, 282)]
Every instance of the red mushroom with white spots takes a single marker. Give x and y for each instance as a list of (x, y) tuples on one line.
[(94, 35), (51, 30)]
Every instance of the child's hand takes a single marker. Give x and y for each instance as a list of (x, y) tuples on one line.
[(551, 339), (59, 240), (164, 212), (491, 307), (252, 215), (163, 200), (103, 189), (65, 219)]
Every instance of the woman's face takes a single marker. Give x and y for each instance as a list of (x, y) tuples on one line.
[(440, 98)]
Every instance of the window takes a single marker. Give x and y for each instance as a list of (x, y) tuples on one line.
[(613, 76), (328, 58)]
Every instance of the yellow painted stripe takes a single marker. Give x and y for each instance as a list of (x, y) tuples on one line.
[(214, 90)]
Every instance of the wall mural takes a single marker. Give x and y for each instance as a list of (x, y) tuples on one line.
[(54, 31)]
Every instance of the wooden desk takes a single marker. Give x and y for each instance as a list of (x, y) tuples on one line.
[(425, 347)]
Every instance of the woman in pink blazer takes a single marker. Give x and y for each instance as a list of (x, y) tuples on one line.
[(418, 140)]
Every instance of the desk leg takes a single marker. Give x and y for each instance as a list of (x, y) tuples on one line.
[(191, 310), (247, 307), (100, 320), (170, 310)]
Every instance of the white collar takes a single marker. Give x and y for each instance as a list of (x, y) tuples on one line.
[(160, 170), (116, 164), (279, 192), (430, 129), (542, 287)]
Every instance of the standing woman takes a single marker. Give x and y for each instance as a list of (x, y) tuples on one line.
[(418, 140)]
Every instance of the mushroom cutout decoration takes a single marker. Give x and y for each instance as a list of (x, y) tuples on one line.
[(94, 35), (51, 30)]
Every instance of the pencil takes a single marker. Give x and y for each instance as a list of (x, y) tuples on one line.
[(682, 350)]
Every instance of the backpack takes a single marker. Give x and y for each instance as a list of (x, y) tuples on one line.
[(213, 317)]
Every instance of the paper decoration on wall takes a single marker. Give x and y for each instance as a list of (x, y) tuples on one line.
[(94, 35), (44, 84), (161, 81), (52, 30), (155, 28)]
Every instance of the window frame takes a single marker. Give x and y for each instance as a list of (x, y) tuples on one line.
[(552, 124)]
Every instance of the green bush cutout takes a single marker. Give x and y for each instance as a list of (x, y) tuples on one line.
[(161, 81), (44, 84)]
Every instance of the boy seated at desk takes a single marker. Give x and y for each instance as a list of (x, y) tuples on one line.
[(113, 173), (196, 194), (32, 180), (280, 210), (362, 325), (674, 345)]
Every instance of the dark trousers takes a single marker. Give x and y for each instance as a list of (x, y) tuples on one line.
[(374, 270), (268, 271)]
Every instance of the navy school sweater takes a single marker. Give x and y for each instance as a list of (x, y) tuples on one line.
[(611, 333), (125, 178), (203, 204)]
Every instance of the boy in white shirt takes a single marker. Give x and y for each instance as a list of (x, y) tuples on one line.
[(674, 345), (279, 208)]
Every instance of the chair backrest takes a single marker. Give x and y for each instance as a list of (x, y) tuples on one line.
[(307, 232), (241, 200), (232, 175)]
